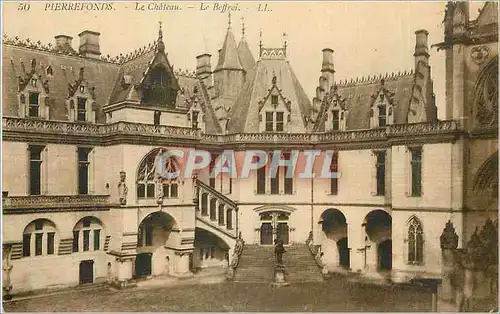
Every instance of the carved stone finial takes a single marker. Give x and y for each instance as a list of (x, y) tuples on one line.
[(449, 238)]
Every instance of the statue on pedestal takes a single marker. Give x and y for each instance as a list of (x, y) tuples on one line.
[(122, 189), (279, 249)]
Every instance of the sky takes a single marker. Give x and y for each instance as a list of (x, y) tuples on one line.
[(367, 37)]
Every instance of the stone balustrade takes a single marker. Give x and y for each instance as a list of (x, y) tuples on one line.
[(38, 126), (55, 201)]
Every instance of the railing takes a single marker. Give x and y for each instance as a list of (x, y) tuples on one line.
[(49, 201), (15, 124), (315, 250)]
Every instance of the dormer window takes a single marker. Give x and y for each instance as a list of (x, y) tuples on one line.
[(49, 70), (269, 121), (335, 120), (33, 82), (194, 119), (382, 115), (279, 121), (81, 110), (33, 105), (274, 99)]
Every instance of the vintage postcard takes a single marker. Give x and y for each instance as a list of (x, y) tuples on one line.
[(328, 156)]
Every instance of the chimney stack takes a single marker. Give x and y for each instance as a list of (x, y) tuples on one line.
[(89, 44), (327, 68), (421, 48), (62, 41), (204, 69)]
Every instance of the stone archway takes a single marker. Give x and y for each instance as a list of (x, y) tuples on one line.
[(334, 243), (209, 250), (156, 233), (378, 229)]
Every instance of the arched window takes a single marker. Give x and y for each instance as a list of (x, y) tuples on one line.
[(415, 241), (39, 238), (87, 235), (486, 104), (146, 184)]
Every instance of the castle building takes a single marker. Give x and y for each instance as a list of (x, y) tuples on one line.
[(83, 132)]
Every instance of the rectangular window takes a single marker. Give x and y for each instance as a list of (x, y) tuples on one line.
[(83, 170), (81, 114), (86, 240), (50, 243), (280, 121), (335, 120), (288, 180), (274, 99), (416, 171), (97, 240), (382, 115), (213, 160), (334, 167), (156, 118), (381, 157), (141, 190), (26, 244), (194, 120), (174, 190), (261, 180), (150, 190), (33, 110), (35, 174), (275, 183), (269, 121), (230, 185), (166, 190), (38, 243), (75, 241)]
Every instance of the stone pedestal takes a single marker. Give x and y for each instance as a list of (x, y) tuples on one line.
[(280, 276), (182, 265), (447, 292), (124, 272)]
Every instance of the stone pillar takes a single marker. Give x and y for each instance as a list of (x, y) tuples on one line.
[(182, 264), (449, 244), (356, 236), (124, 271)]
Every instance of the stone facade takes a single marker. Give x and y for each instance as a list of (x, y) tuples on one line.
[(403, 173)]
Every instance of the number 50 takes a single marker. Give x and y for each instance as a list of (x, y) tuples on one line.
[(23, 7)]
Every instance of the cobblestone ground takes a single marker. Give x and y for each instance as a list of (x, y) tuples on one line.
[(330, 296)]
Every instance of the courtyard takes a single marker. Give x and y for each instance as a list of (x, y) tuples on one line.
[(337, 294)]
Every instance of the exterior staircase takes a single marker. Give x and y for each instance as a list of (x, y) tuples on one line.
[(301, 265), (216, 213), (257, 264)]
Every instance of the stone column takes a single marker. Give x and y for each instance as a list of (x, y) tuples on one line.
[(124, 271), (449, 244), (356, 236), (182, 264)]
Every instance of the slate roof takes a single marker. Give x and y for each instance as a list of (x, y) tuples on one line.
[(246, 57), (228, 57), (245, 111), (105, 74)]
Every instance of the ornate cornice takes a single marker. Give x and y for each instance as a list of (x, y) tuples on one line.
[(28, 130), (55, 203)]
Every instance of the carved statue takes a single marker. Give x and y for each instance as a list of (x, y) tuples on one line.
[(122, 189), (279, 249), (449, 238), (7, 267)]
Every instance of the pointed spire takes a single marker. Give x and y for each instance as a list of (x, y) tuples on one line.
[(161, 45)]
